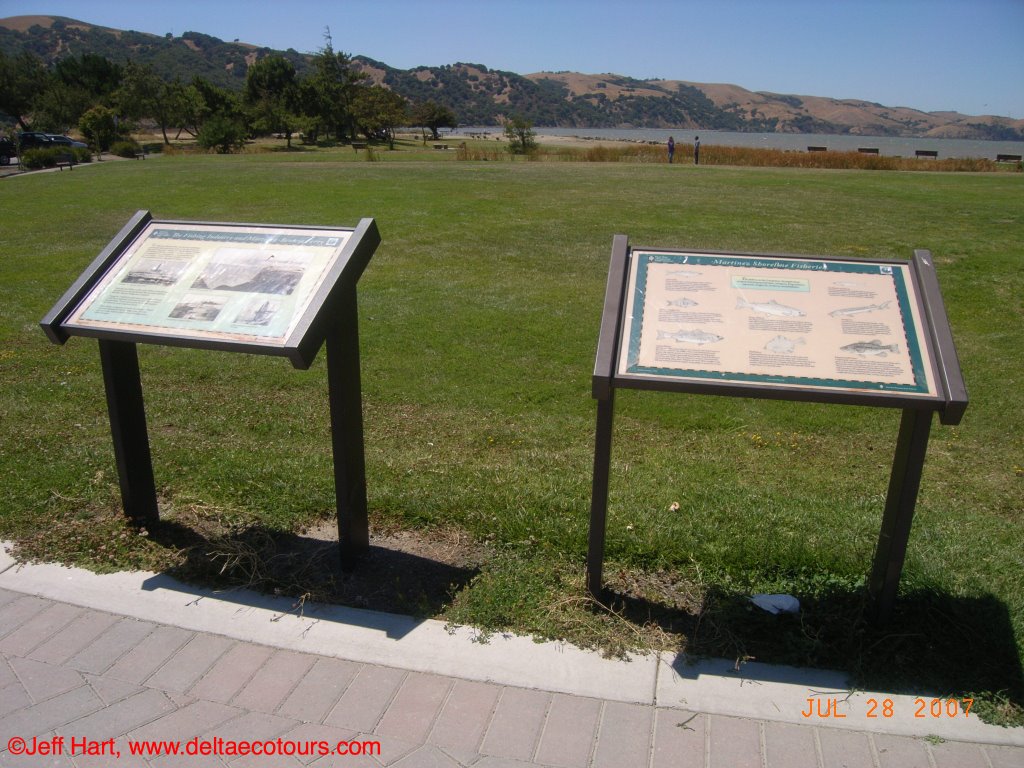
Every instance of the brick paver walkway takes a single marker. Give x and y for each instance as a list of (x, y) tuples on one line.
[(76, 680)]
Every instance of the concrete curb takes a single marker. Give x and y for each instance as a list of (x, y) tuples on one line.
[(714, 686)]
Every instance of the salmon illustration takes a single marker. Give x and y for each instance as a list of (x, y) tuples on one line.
[(770, 308), (684, 302), (693, 336)]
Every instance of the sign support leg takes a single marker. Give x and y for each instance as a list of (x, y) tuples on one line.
[(123, 385), (599, 495), (904, 483), (347, 432)]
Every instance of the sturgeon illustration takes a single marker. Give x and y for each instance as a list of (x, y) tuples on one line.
[(873, 347), (859, 310), (770, 308), (693, 336)]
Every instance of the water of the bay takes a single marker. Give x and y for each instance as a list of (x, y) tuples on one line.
[(893, 146)]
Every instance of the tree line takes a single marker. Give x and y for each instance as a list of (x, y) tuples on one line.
[(106, 100)]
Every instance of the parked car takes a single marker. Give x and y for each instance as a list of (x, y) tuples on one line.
[(7, 150), (65, 141), (34, 140)]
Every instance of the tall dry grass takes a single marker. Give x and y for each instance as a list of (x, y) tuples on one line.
[(743, 156)]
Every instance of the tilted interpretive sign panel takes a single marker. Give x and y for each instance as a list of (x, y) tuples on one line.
[(206, 281), (242, 287), (808, 328), (771, 321)]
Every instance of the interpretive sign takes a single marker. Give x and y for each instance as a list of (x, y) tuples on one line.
[(825, 329), (204, 281), (245, 287), (770, 321), (256, 288)]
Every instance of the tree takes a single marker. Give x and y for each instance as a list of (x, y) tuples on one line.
[(332, 90), (272, 95), (521, 138), (193, 110), (22, 79), (143, 93), (379, 111), (204, 100), (432, 115), (59, 106), (90, 73), (99, 126)]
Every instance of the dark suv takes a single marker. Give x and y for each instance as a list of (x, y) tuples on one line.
[(34, 140), (7, 150)]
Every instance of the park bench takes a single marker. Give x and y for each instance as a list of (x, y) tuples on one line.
[(868, 150), (357, 145), (65, 158), (440, 146), (817, 149), (1008, 158), (927, 153)]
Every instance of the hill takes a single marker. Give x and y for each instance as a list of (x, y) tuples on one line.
[(482, 96)]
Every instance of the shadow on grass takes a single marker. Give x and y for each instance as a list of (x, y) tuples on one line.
[(305, 568), (935, 644)]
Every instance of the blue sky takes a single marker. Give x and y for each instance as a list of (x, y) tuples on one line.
[(962, 55)]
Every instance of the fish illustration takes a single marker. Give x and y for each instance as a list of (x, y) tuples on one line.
[(685, 273), (770, 308), (693, 336), (783, 346), (873, 347), (684, 302), (859, 310)]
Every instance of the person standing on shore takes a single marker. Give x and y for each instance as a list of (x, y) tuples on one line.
[(696, 150), (671, 148)]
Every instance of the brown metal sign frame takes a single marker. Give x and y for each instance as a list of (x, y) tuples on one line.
[(938, 386)]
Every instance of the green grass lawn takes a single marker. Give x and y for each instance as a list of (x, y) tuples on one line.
[(479, 317)]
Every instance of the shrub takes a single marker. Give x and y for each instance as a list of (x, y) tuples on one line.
[(35, 159), (125, 148), (221, 133), (521, 138)]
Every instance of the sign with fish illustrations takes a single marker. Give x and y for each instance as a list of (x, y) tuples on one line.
[(769, 321), (823, 329)]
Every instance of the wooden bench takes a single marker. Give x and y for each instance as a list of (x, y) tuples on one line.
[(868, 150), (1008, 158), (65, 158), (357, 145), (440, 146), (817, 149), (927, 153)]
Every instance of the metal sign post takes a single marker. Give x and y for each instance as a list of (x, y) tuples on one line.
[(272, 290), (784, 327)]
